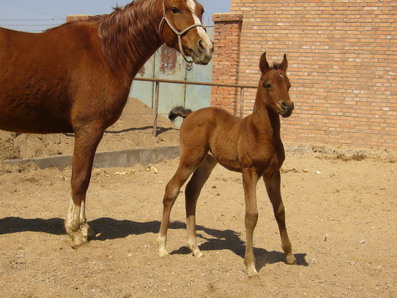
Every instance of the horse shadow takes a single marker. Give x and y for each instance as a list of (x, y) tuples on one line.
[(160, 130), (109, 229)]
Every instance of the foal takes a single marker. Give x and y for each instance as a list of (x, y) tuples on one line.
[(251, 146)]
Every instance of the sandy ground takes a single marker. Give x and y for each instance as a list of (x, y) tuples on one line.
[(341, 217)]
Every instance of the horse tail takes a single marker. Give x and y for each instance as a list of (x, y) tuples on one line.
[(178, 111)]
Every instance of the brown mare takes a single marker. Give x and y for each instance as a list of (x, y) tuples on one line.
[(251, 146), (76, 78)]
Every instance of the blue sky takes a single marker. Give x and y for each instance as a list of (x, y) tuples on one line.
[(38, 15)]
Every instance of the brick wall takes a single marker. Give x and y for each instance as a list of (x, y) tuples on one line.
[(342, 65), (226, 60)]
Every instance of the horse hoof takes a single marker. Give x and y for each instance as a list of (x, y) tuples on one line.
[(87, 231), (77, 239)]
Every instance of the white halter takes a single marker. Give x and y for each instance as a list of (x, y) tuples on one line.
[(179, 34)]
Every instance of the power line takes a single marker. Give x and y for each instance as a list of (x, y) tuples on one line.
[(30, 8)]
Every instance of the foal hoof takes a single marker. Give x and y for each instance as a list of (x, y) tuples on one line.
[(197, 253), (163, 252), (290, 259)]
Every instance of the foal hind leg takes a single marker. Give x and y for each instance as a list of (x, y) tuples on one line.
[(189, 161), (273, 189), (86, 142), (192, 193), (171, 193)]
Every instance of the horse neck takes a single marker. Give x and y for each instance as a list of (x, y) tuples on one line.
[(130, 36), (265, 120)]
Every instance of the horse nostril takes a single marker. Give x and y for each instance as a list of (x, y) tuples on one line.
[(284, 105), (201, 46)]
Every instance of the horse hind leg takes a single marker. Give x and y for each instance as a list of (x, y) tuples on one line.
[(273, 190), (192, 193), (86, 142)]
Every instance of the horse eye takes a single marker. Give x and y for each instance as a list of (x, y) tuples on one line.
[(268, 86), (175, 10)]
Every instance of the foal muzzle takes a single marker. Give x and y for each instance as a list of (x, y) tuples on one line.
[(286, 109)]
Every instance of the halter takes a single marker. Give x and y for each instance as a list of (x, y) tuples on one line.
[(179, 34)]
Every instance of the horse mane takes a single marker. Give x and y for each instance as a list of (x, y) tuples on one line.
[(126, 33)]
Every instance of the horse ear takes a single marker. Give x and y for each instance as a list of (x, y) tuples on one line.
[(263, 65), (284, 64)]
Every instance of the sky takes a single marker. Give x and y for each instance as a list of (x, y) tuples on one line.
[(39, 15)]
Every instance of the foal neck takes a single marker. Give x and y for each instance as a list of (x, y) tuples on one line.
[(265, 120)]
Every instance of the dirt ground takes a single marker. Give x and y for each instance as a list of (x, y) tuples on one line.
[(341, 217)]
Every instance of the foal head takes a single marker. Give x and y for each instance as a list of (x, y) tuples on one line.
[(181, 28), (274, 86)]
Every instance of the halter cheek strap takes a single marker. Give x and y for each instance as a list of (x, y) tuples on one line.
[(179, 34)]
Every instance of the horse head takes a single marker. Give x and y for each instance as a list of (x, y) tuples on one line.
[(274, 85), (181, 28)]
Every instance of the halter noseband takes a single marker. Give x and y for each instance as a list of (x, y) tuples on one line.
[(179, 34)]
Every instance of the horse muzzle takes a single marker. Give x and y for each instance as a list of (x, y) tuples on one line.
[(202, 54), (286, 109)]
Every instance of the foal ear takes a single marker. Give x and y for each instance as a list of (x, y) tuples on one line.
[(263, 65), (284, 64)]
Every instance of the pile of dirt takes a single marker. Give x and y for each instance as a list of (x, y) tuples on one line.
[(133, 129)]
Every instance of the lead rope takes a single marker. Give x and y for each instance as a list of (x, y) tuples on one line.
[(189, 63)]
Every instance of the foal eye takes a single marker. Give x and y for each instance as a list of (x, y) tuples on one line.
[(175, 10), (268, 86)]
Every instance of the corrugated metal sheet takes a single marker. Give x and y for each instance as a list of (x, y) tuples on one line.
[(167, 63)]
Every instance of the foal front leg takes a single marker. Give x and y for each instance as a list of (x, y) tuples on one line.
[(273, 189), (250, 180), (86, 142)]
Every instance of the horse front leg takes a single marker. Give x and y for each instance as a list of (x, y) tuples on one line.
[(273, 189), (250, 180), (86, 142)]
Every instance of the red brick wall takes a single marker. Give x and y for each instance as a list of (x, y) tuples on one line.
[(226, 60), (342, 65)]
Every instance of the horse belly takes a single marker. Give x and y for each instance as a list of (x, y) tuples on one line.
[(33, 116)]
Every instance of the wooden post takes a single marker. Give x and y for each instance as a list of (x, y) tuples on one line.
[(156, 109)]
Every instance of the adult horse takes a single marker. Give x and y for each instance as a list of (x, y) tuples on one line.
[(76, 78), (251, 146)]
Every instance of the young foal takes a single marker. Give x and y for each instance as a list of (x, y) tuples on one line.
[(251, 146)]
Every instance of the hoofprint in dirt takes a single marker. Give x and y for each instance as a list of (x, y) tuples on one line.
[(341, 216)]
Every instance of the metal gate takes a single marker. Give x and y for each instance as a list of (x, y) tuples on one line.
[(167, 63)]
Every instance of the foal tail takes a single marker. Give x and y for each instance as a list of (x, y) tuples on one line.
[(178, 111)]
